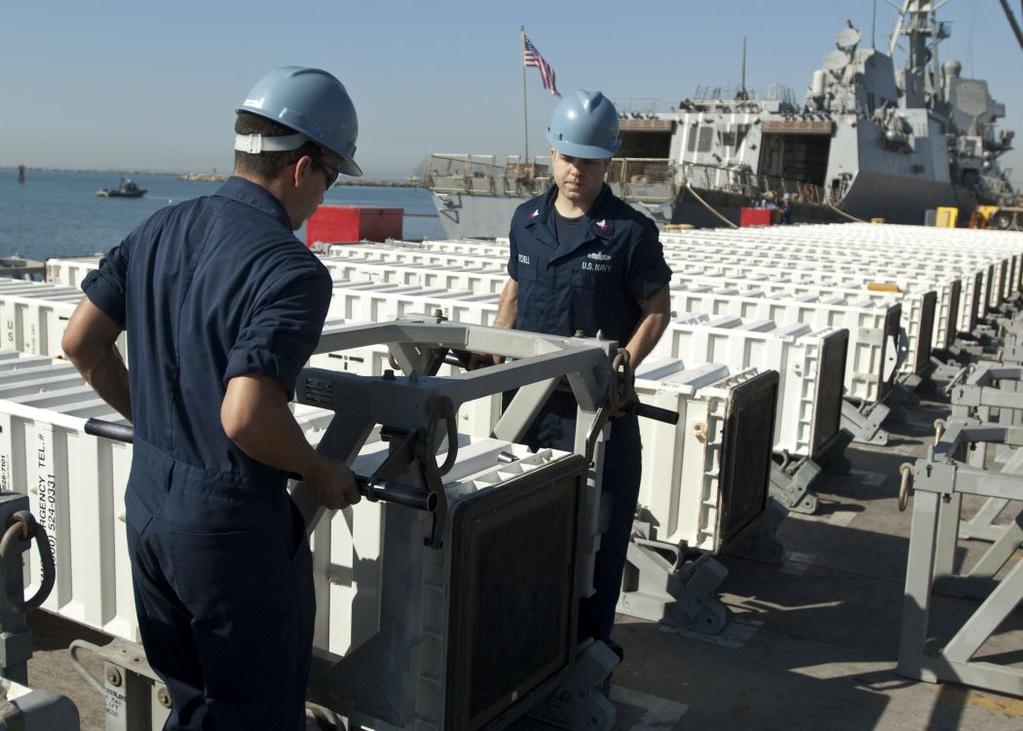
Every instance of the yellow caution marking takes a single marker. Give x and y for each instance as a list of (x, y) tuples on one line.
[(1012, 707), (882, 287)]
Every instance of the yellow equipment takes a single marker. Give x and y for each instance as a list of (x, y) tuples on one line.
[(947, 216), (1006, 218)]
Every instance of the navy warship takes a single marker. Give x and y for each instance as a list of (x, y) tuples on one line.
[(870, 140)]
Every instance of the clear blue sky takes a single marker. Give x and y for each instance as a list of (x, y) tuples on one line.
[(146, 85)]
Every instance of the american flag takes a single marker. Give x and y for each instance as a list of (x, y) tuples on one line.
[(532, 57)]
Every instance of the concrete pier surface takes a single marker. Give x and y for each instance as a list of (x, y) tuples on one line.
[(814, 641)]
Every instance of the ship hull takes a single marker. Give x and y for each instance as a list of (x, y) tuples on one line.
[(465, 215), (899, 199), (689, 210), (475, 216), (871, 195), (118, 194)]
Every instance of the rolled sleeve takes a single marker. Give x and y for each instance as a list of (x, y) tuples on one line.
[(283, 330), (106, 287), (513, 256), (648, 272)]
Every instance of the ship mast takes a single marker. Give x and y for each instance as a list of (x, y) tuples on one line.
[(918, 21), (742, 85)]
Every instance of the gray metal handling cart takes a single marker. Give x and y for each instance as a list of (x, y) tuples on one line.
[(939, 481), (481, 575)]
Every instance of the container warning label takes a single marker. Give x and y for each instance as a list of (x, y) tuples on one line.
[(46, 488), (113, 702)]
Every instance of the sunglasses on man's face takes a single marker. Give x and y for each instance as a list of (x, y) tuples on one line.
[(330, 173)]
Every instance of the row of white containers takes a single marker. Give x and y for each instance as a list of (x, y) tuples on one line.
[(818, 277), (794, 350), (374, 292), (937, 245), (837, 250), (76, 486), (791, 350), (874, 327), (849, 255), (873, 319), (809, 399), (812, 359), (739, 254), (979, 281), (816, 306)]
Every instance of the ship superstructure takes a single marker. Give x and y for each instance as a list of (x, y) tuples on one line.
[(869, 140)]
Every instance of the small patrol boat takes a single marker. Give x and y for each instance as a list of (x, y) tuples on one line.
[(127, 189)]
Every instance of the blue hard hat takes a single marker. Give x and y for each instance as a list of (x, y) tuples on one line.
[(585, 124), (312, 102)]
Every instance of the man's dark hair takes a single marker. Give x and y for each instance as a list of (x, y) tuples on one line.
[(267, 165)]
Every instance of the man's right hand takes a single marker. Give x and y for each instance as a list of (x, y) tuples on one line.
[(482, 360), (332, 484)]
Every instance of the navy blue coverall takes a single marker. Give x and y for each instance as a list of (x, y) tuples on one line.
[(207, 290), (593, 282)]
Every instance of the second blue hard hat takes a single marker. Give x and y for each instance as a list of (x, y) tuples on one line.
[(585, 124), (312, 102)]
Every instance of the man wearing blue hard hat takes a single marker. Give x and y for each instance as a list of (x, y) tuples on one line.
[(583, 261), (223, 306)]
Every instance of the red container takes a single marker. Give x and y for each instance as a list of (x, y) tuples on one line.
[(755, 216), (347, 224)]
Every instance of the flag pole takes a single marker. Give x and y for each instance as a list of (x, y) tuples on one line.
[(525, 112)]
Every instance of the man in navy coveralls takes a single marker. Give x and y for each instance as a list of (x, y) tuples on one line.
[(583, 261), (223, 306)]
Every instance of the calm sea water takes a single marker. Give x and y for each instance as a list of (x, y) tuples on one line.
[(59, 213)]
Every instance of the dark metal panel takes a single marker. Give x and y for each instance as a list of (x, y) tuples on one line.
[(923, 345), (990, 294), (513, 616), (891, 335), (747, 441), (953, 313), (978, 295), (827, 417)]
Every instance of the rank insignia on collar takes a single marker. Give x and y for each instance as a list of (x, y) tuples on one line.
[(602, 224), (535, 213)]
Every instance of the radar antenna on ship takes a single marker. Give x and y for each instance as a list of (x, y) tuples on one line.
[(918, 21)]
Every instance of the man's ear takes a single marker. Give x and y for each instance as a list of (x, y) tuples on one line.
[(303, 169)]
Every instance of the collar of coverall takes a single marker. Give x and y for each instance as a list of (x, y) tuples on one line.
[(594, 221)]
